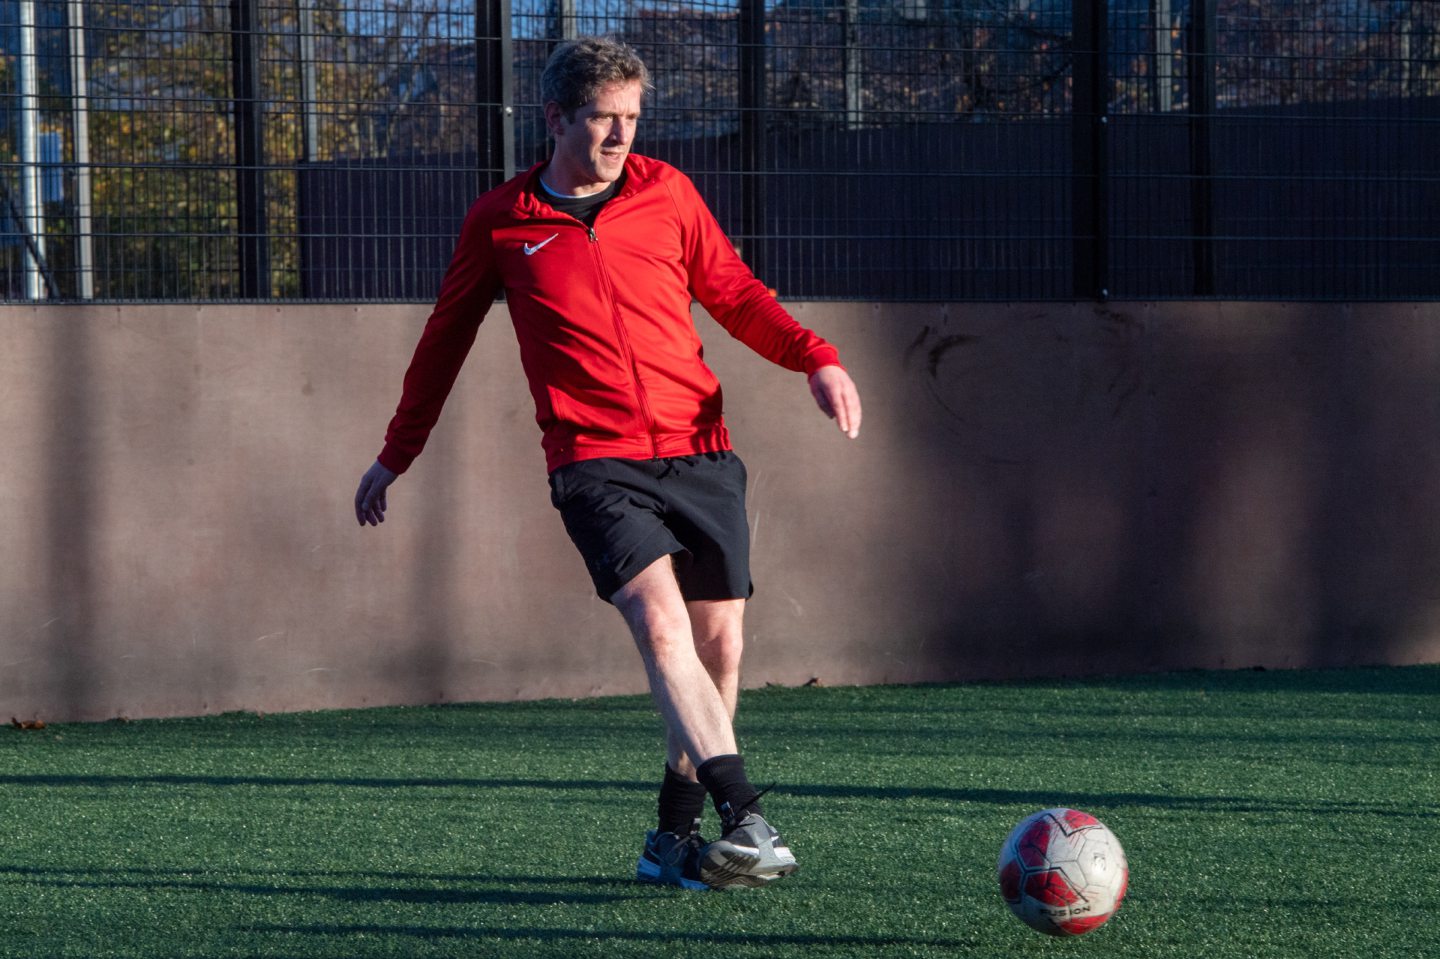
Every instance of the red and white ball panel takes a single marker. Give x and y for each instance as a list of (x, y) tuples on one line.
[(1063, 872)]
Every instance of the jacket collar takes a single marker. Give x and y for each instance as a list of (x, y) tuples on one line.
[(639, 174)]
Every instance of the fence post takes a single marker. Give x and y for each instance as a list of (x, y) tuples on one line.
[(562, 24), (307, 176), (1090, 156), (80, 125), (309, 82), (1202, 142), (249, 149), (752, 132), (1162, 57), (32, 220), (854, 67), (495, 93)]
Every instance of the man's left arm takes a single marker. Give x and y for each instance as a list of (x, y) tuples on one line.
[(837, 397), (739, 302)]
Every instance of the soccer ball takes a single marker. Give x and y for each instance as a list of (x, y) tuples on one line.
[(1062, 872)]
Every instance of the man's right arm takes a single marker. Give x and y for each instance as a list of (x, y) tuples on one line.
[(370, 497), (471, 284)]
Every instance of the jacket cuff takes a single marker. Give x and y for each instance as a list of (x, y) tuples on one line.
[(825, 355), (394, 460)]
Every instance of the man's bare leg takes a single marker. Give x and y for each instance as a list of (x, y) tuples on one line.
[(718, 630), (689, 700), (691, 657), (679, 656)]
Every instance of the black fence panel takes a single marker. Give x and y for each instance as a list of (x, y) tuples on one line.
[(209, 150)]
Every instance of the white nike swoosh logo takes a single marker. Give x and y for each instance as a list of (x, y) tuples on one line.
[(532, 250)]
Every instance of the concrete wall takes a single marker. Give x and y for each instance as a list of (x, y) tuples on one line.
[(1038, 490)]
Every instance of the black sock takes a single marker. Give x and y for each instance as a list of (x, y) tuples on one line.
[(724, 778), (681, 802)]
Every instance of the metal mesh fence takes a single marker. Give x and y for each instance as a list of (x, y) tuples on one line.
[(880, 149)]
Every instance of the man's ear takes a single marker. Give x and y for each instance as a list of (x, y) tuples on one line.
[(554, 118)]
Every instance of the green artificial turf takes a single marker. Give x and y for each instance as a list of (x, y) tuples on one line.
[(1264, 814)]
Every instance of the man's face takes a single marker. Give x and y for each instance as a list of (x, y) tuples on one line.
[(590, 150)]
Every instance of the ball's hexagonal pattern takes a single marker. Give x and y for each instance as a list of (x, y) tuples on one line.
[(1063, 872)]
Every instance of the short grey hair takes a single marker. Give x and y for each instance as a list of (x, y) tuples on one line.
[(579, 69)]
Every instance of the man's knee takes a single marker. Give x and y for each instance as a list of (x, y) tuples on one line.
[(721, 652), (651, 598), (719, 628), (657, 620), (659, 633)]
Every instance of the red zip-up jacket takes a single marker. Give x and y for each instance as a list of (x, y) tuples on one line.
[(602, 316)]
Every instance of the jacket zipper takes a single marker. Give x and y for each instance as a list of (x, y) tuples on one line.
[(624, 339)]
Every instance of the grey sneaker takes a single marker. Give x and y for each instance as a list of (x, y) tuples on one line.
[(751, 853), (671, 860)]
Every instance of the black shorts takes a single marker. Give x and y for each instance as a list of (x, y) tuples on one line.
[(623, 515)]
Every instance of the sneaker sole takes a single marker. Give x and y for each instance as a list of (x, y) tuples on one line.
[(649, 873), (730, 865)]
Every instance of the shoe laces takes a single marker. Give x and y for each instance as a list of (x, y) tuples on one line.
[(690, 836), (728, 815)]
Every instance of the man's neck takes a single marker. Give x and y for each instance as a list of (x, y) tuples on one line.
[(560, 187), (585, 207)]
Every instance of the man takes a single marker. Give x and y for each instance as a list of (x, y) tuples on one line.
[(599, 252)]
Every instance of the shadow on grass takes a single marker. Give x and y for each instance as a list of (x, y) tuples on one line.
[(400, 782), (685, 941), (555, 890), (993, 797)]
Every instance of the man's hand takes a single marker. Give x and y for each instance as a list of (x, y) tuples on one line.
[(370, 497), (837, 397)]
